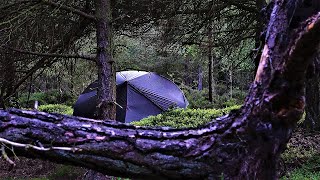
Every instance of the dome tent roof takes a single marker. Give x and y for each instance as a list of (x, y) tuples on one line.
[(139, 93)]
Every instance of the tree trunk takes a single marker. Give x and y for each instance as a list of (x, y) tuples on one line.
[(106, 70), (200, 77), (259, 30), (7, 78), (106, 108), (312, 119), (210, 65), (246, 144), (312, 104), (187, 78), (231, 82)]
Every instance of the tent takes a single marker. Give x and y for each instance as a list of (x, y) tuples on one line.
[(139, 95)]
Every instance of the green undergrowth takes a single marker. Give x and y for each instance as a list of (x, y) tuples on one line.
[(51, 97), (56, 108), (309, 170), (179, 118), (296, 153), (302, 156), (65, 172)]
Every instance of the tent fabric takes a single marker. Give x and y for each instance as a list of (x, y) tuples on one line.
[(139, 94)]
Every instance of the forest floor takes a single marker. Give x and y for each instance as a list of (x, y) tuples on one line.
[(300, 161), (34, 169)]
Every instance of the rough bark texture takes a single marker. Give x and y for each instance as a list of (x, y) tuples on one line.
[(106, 70), (312, 104), (312, 119), (246, 144), (260, 4)]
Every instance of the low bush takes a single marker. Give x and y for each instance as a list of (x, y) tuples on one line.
[(56, 108), (179, 118)]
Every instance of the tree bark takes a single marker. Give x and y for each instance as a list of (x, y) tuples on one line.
[(200, 77), (246, 144), (312, 119), (106, 70), (187, 77), (312, 104), (210, 64), (260, 4)]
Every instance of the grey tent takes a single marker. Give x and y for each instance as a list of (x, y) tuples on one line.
[(139, 95)]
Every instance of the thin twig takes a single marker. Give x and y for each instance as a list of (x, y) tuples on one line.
[(15, 144)]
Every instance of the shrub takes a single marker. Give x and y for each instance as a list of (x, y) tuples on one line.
[(179, 118), (56, 108)]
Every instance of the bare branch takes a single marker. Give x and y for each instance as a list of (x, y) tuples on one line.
[(17, 3), (70, 9)]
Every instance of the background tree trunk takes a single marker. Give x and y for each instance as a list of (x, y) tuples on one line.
[(187, 78), (312, 104), (210, 64), (200, 77), (260, 4), (312, 119), (106, 70)]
